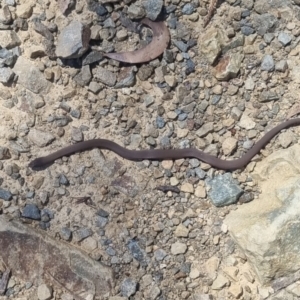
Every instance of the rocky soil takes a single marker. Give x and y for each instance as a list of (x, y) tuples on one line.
[(218, 89)]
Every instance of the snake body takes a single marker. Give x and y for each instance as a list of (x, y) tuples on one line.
[(162, 154)]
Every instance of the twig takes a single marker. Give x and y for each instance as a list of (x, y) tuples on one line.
[(211, 9)]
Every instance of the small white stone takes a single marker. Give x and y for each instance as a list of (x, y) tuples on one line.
[(181, 231), (44, 292), (174, 181), (178, 248), (167, 164), (187, 188)]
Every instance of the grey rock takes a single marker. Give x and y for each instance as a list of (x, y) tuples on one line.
[(128, 287), (30, 76), (194, 163), (138, 253), (10, 2), (92, 57), (268, 37), (41, 138), (63, 180), (135, 11), (284, 38), (84, 76), (5, 195), (267, 96), (205, 129), (6, 74), (268, 63), (31, 211), (281, 66), (264, 23), (247, 30), (8, 57), (81, 234), (160, 122), (200, 173), (160, 254), (224, 190), (73, 41), (188, 9), (102, 213), (105, 76), (153, 8), (101, 221), (9, 39), (183, 47), (126, 78), (4, 153), (110, 251), (75, 113), (95, 87)]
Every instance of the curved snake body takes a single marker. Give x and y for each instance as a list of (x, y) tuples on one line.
[(162, 154)]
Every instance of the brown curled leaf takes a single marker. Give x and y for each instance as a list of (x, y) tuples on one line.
[(155, 48)]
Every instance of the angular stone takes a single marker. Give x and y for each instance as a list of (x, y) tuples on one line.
[(105, 76), (73, 41), (267, 228), (224, 190), (9, 39), (73, 268), (30, 76)]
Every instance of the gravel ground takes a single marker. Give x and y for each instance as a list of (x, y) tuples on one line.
[(217, 88)]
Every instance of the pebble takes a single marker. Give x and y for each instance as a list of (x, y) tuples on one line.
[(31, 211), (153, 8), (6, 74), (267, 63), (200, 192), (246, 122), (5, 195), (229, 145), (181, 231), (188, 9), (128, 287), (224, 190), (220, 282), (44, 292), (284, 38), (65, 233), (178, 248), (81, 234), (160, 254), (187, 188)]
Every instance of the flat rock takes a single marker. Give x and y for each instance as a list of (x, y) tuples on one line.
[(30, 76), (74, 269), (73, 41), (267, 228)]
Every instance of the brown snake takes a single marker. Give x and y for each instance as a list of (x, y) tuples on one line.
[(162, 154)]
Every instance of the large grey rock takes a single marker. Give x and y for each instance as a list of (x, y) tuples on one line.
[(267, 229), (34, 256)]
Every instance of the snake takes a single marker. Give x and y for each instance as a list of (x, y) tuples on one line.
[(165, 154)]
